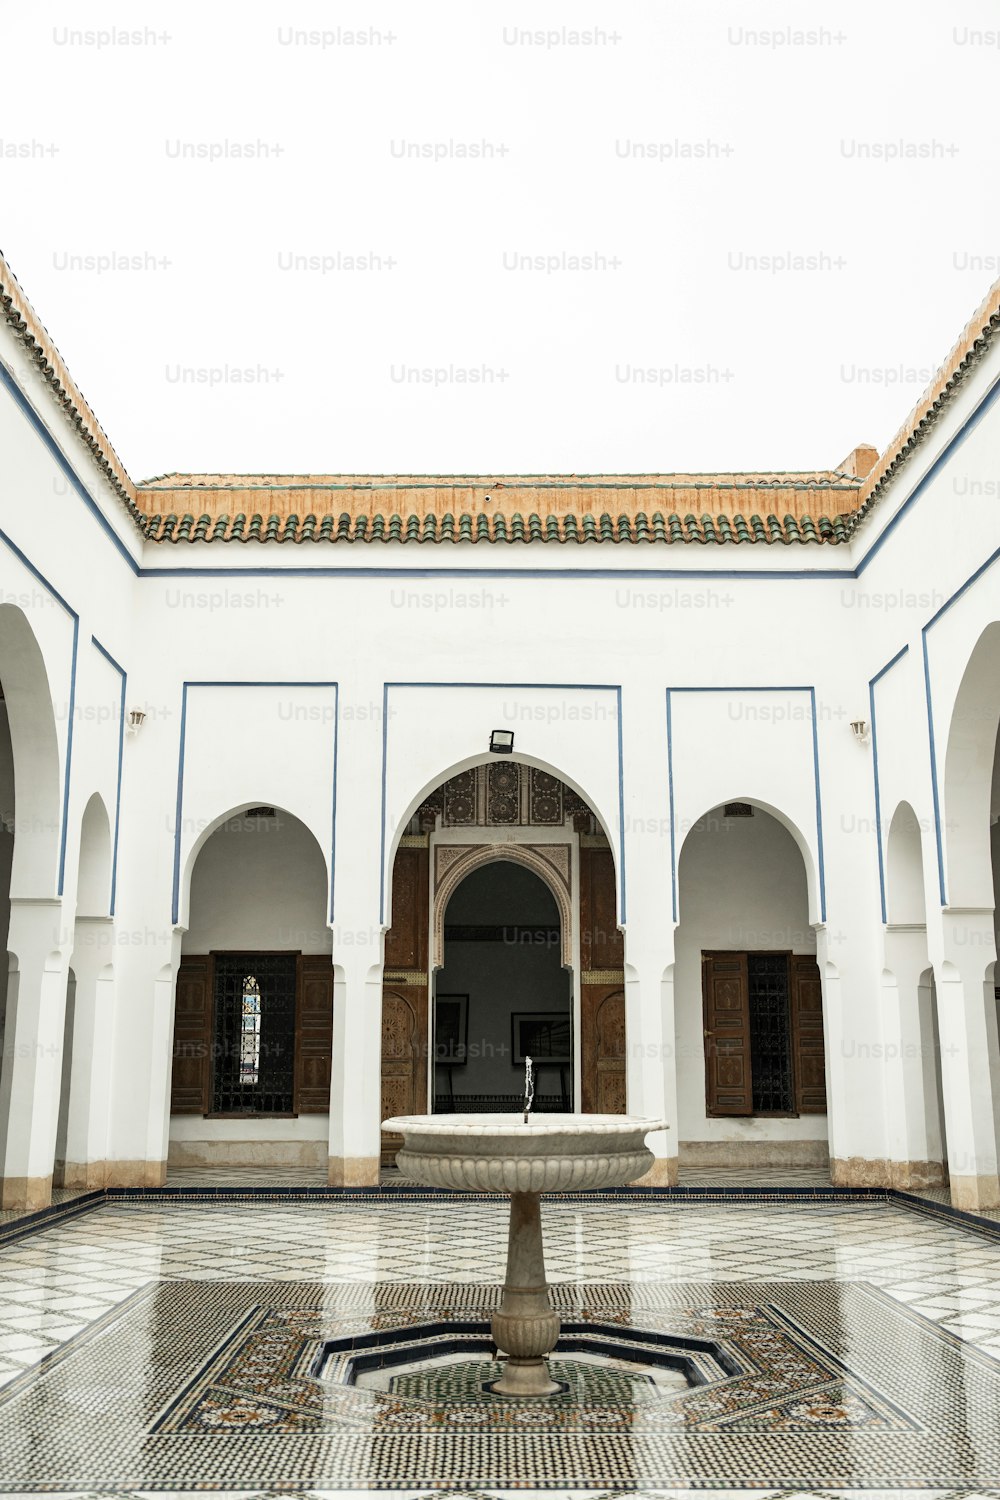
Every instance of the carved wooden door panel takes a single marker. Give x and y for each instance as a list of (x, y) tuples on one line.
[(809, 1053), (611, 1055), (728, 1072), (404, 1081), (602, 1047)]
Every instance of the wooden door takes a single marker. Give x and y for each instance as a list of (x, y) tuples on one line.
[(601, 944), (728, 1073), (404, 1059), (808, 1050), (313, 1034), (602, 1046), (190, 1079)]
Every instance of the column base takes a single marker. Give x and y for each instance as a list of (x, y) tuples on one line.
[(353, 1171), (975, 1192), (136, 1173), (918, 1174), (663, 1173), (82, 1174), (860, 1171), (26, 1195)]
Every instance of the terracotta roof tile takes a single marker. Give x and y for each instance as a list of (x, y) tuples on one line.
[(22, 320), (825, 506), (972, 344), (705, 530)]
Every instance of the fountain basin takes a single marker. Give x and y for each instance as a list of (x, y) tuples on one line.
[(525, 1158), (500, 1154)]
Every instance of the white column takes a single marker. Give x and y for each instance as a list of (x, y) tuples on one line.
[(33, 1043), (355, 1082), (162, 993), (90, 1084), (967, 1023), (912, 1129), (651, 1069)]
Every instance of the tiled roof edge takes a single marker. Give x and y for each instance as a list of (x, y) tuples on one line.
[(706, 530), (834, 480), (23, 322), (970, 348)]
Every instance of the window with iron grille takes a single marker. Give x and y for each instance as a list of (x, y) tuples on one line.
[(770, 1033), (253, 1051)]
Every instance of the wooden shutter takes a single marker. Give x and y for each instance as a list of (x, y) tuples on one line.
[(191, 1076), (406, 940), (314, 1034), (602, 1049), (601, 943), (404, 1059), (728, 1073), (808, 1050)]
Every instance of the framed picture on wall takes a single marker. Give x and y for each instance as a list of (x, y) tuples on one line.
[(542, 1035), (451, 1029)]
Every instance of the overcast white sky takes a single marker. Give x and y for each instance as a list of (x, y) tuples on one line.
[(870, 147)]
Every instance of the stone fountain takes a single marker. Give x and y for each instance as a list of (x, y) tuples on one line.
[(525, 1156)]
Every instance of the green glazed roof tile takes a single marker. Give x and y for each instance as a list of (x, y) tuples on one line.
[(735, 530)]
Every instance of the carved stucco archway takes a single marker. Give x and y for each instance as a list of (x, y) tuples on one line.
[(550, 862)]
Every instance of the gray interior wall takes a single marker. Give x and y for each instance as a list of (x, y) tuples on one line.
[(502, 977)]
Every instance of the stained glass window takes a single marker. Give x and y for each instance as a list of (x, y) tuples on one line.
[(250, 1031), (253, 1046)]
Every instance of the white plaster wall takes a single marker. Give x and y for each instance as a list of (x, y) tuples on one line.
[(674, 626), (742, 887), (259, 883)]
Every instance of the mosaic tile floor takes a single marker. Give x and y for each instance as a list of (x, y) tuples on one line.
[(162, 1347)]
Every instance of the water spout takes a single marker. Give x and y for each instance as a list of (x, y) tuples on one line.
[(529, 1087)]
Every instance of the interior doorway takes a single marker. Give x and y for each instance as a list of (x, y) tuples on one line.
[(502, 995)]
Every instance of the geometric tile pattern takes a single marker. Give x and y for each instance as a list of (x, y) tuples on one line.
[(73, 1296), (212, 1389)]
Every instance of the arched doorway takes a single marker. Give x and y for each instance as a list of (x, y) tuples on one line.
[(966, 975), (82, 1138), (32, 987), (914, 1092), (749, 1012), (507, 824), (502, 995), (253, 1020)]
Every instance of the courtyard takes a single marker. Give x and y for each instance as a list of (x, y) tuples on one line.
[(187, 1340)]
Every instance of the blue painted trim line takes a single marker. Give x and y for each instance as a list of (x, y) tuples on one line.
[(66, 468), (333, 799), (935, 792), (75, 618), (121, 750), (182, 745), (950, 448), (878, 796), (673, 824), (343, 574), (819, 807), (820, 855), (516, 687)]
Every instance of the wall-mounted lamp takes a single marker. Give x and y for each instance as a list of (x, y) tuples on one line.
[(502, 742), (860, 731), (134, 720)]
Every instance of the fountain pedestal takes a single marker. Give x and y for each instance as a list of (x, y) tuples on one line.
[(501, 1153), (526, 1328)]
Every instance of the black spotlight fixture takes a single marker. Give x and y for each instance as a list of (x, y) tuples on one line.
[(502, 742)]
